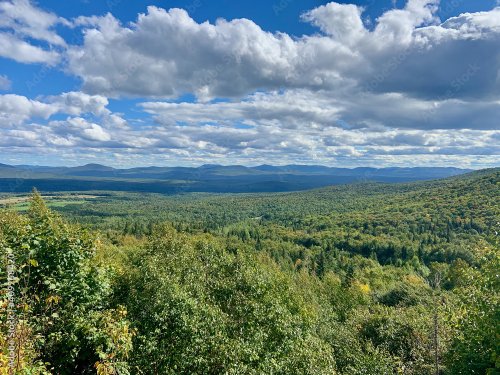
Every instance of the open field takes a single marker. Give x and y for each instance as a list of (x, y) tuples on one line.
[(20, 202)]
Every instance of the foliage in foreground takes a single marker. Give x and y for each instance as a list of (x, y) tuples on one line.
[(65, 324)]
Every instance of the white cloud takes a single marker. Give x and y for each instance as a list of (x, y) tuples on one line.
[(15, 109), (96, 133), (341, 21), (166, 53), (398, 26), (296, 126), (297, 109), (30, 21), (409, 90), (186, 144), (152, 59), (76, 103), (474, 25), (21, 21), (90, 131), (293, 109), (17, 49)]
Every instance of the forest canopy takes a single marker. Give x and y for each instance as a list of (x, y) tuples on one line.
[(355, 279)]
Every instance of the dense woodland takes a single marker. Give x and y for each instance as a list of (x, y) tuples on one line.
[(356, 279)]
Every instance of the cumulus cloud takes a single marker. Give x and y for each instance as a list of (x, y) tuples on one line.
[(75, 127), (166, 53), (255, 130), (195, 144), (17, 109), (398, 26), (76, 103), (151, 59), (409, 89), (15, 48), (341, 21), (21, 21)]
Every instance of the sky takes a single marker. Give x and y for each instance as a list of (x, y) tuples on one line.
[(351, 83)]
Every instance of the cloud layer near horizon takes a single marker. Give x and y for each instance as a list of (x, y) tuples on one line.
[(412, 89)]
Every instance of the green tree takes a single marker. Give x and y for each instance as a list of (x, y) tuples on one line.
[(475, 348), (200, 309), (61, 293)]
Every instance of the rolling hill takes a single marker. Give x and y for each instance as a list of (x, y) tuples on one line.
[(206, 178)]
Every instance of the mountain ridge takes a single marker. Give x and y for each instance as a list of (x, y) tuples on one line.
[(206, 178)]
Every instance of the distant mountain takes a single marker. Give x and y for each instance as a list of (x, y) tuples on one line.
[(206, 178), (92, 167)]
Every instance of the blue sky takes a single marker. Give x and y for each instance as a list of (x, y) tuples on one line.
[(350, 83)]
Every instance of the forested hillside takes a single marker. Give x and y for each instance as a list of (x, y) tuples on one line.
[(206, 178), (366, 278)]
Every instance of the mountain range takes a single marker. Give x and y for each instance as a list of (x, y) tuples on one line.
[(206, 178)]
